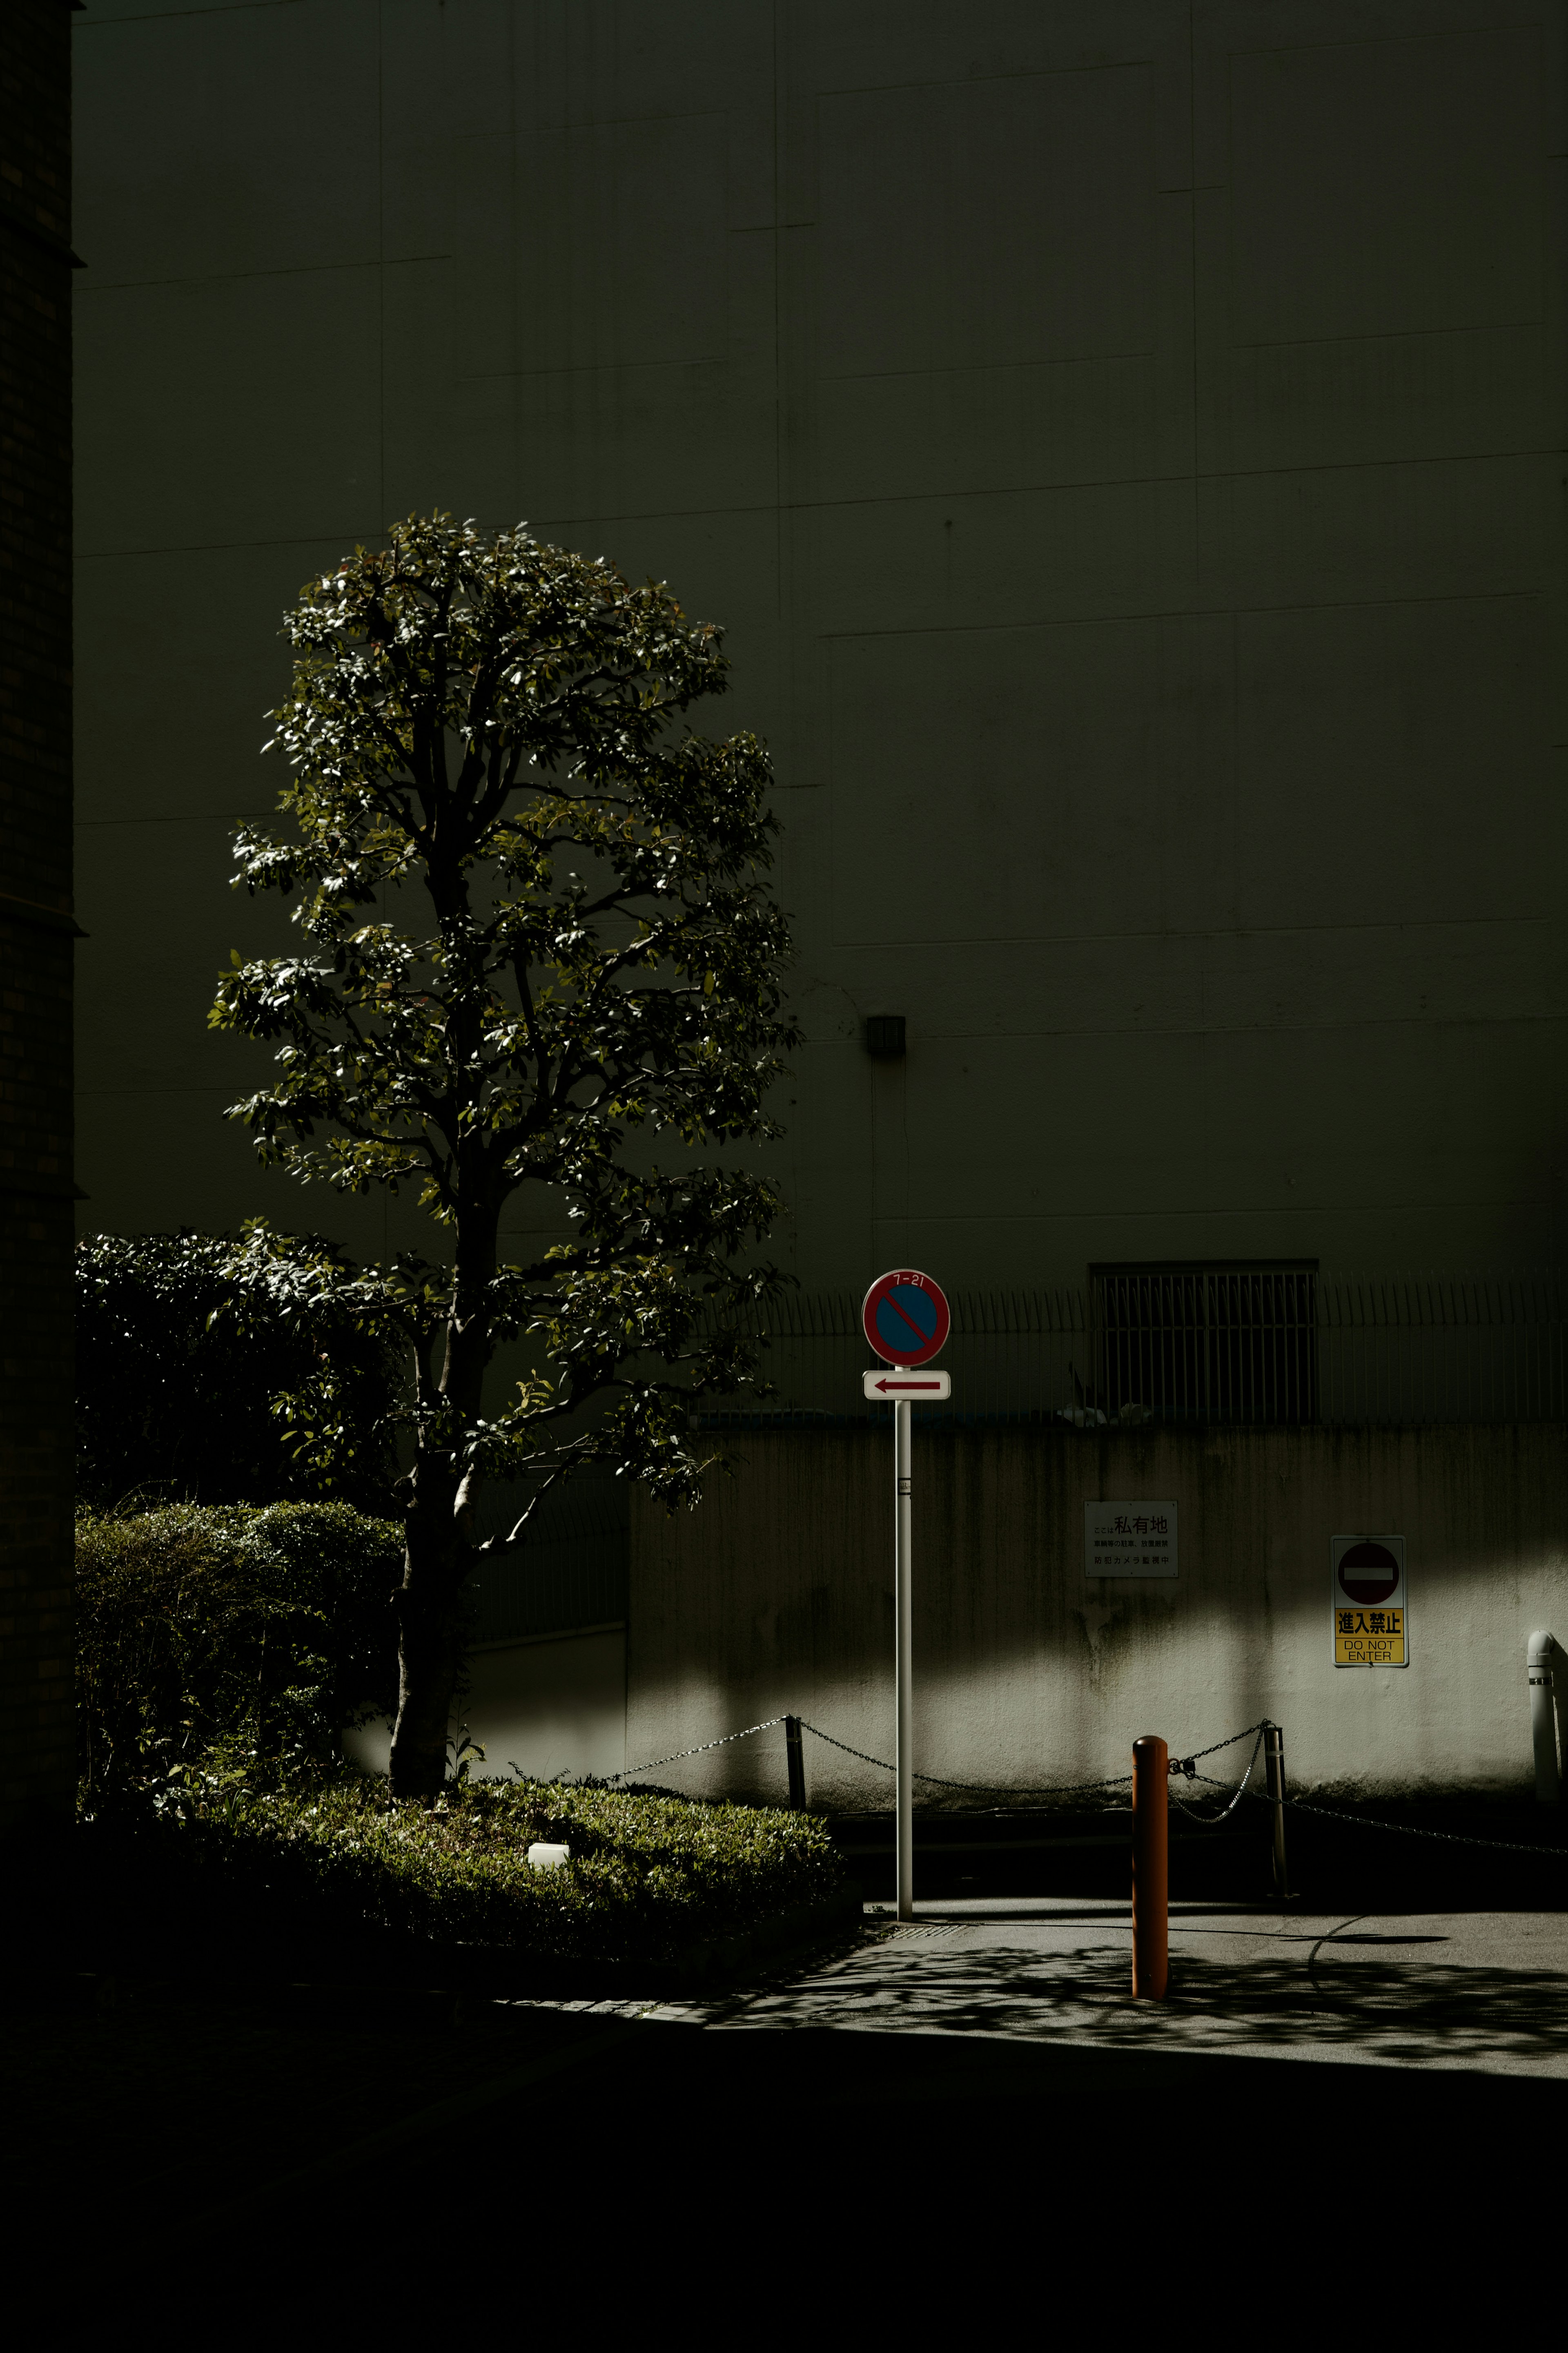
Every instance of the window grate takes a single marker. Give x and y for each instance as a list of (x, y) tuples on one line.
[(1233, 1342)]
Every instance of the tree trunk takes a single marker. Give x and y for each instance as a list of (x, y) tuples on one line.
[(439, 1550), (429, 1605)]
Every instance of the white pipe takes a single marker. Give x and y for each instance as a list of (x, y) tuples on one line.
[(1543, 1717)]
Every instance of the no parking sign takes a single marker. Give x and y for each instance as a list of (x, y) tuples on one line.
[(905, 1315)]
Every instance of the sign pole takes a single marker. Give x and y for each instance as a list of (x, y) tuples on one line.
[(904, 1750), (906, 1319)]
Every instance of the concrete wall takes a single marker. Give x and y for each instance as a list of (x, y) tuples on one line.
[(1124, 439), (556, 1705), (778, 1595)]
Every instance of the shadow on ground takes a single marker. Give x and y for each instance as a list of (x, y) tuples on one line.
[(276, 2141), (1308, 1996)]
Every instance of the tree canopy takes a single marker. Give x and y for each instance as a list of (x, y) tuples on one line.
[(541, 957)]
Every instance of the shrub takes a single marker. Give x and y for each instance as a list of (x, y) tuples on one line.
[(197, 1623), (332, 1859), (201, 1376)]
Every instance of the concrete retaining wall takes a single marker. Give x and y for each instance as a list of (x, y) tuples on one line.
[(777, 1594)]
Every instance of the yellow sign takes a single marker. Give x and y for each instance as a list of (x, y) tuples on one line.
[(1369, 1638)]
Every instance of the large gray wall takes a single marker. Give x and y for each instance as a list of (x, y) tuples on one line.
[(778, 1595), (1124, 439)]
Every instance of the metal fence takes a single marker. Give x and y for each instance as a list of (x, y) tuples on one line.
[(1275, 1346)]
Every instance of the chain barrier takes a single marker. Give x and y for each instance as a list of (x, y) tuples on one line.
[(980, 1788), (1184, 1764), (1184, 1767), (627, 1772), (983, 1789), (1403, 1830)]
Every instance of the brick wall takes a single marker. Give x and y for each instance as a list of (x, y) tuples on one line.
[(36, 1712)]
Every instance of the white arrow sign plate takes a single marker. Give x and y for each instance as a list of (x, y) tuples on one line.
[(920, 1384)]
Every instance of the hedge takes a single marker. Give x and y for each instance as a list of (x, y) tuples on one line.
[(197, 1623), (206, 1373), (337, 1860), (221, 1652)]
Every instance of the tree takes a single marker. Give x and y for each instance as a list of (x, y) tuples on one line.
[(540, 937)]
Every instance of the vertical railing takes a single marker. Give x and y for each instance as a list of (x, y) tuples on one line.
[(1273, 1346)]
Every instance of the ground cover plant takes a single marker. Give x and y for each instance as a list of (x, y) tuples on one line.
[(339, 1860)]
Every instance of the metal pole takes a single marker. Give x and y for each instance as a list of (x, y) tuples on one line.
[(904, 1732), (794, 1751), (1543, 1718), (1150, 1866), (1274, 1766)]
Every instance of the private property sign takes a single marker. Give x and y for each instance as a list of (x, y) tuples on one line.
[(1367, 1597), (1130, 1540)]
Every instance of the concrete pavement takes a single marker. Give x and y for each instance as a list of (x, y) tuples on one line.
[(1477, 1991)]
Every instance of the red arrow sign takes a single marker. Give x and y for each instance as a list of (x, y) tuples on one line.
[(898, 1385)]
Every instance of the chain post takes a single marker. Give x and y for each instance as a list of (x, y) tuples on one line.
[(794, 1750), (1150, 1866), (1274, 1764)]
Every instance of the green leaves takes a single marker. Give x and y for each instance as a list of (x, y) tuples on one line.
[(535, 922), (229, 1368), (198, 1624), (440, 675)]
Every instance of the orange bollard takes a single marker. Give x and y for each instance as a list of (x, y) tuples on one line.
[(1151, 1871)]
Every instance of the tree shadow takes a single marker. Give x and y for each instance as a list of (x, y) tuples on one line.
[(1391, 2008)]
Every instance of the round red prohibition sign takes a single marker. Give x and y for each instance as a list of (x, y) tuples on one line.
[(906, 1318)]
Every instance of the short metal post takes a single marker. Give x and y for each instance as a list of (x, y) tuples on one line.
[(795, 1752), (904, 1723), (1543, 1718), (1274, 1766), (1150, 1866)]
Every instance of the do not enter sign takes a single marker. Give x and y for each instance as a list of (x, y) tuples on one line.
[(906, 1318), (1372, 1622)]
